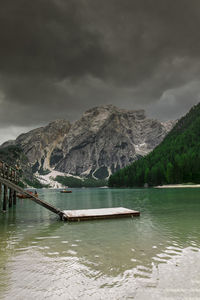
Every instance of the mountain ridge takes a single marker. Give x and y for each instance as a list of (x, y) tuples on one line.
[(102, 141)]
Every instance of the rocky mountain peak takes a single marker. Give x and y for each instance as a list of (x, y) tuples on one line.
[(110, 109), (107, 138), (95, 117)]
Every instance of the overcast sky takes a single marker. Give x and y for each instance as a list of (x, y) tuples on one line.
[(60, 57)]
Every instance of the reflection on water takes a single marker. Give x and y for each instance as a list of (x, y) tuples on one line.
[(154, 254)]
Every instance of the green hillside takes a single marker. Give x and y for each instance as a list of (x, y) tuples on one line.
[(175, 160)]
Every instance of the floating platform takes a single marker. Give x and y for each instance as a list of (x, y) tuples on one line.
[(100, 213)]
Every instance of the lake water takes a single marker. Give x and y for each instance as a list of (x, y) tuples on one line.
[(154, 256)]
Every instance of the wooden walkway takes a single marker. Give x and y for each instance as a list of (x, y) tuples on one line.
[(20, 190), (9, 178)]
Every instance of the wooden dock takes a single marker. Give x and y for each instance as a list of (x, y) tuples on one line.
[(100, 213), (9, 179)]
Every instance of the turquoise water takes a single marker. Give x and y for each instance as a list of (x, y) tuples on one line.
[(154, 256)]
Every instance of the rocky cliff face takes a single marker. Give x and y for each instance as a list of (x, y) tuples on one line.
[(39, 143), (102, 141), (107, 138)]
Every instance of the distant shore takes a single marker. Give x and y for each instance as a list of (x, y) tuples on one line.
[(169, 186)]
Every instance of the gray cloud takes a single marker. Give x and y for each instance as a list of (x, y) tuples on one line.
[(48, 38), (59, 58)]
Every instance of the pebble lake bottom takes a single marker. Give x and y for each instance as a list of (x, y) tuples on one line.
[(154, 256)]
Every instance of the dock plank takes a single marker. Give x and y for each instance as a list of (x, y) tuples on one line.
[(100, 213)]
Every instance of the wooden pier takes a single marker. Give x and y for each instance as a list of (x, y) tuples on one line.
[(9, 179), (12, 176)]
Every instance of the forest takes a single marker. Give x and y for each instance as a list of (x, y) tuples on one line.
[(175, 160), (76, 182)]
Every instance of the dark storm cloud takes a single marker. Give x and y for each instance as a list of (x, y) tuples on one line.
[(60, 57), (48, 38), (147, 35)]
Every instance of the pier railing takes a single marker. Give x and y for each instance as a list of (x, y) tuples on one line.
[(9, 172)]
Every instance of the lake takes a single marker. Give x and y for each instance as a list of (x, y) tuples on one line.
[(154, 256)]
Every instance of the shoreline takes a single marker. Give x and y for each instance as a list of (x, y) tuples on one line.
[(176, 186)]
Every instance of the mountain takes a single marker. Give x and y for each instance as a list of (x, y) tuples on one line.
[(104, 140), (13, 155), (38, 144), (30, 151), (175, 160)]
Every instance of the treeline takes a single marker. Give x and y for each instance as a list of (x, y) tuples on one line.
[(76, 182), (175, 160)]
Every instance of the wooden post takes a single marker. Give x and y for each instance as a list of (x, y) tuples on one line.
[(0, 195), (10, 198), (5, 198), (14, 197), (3, 170)]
